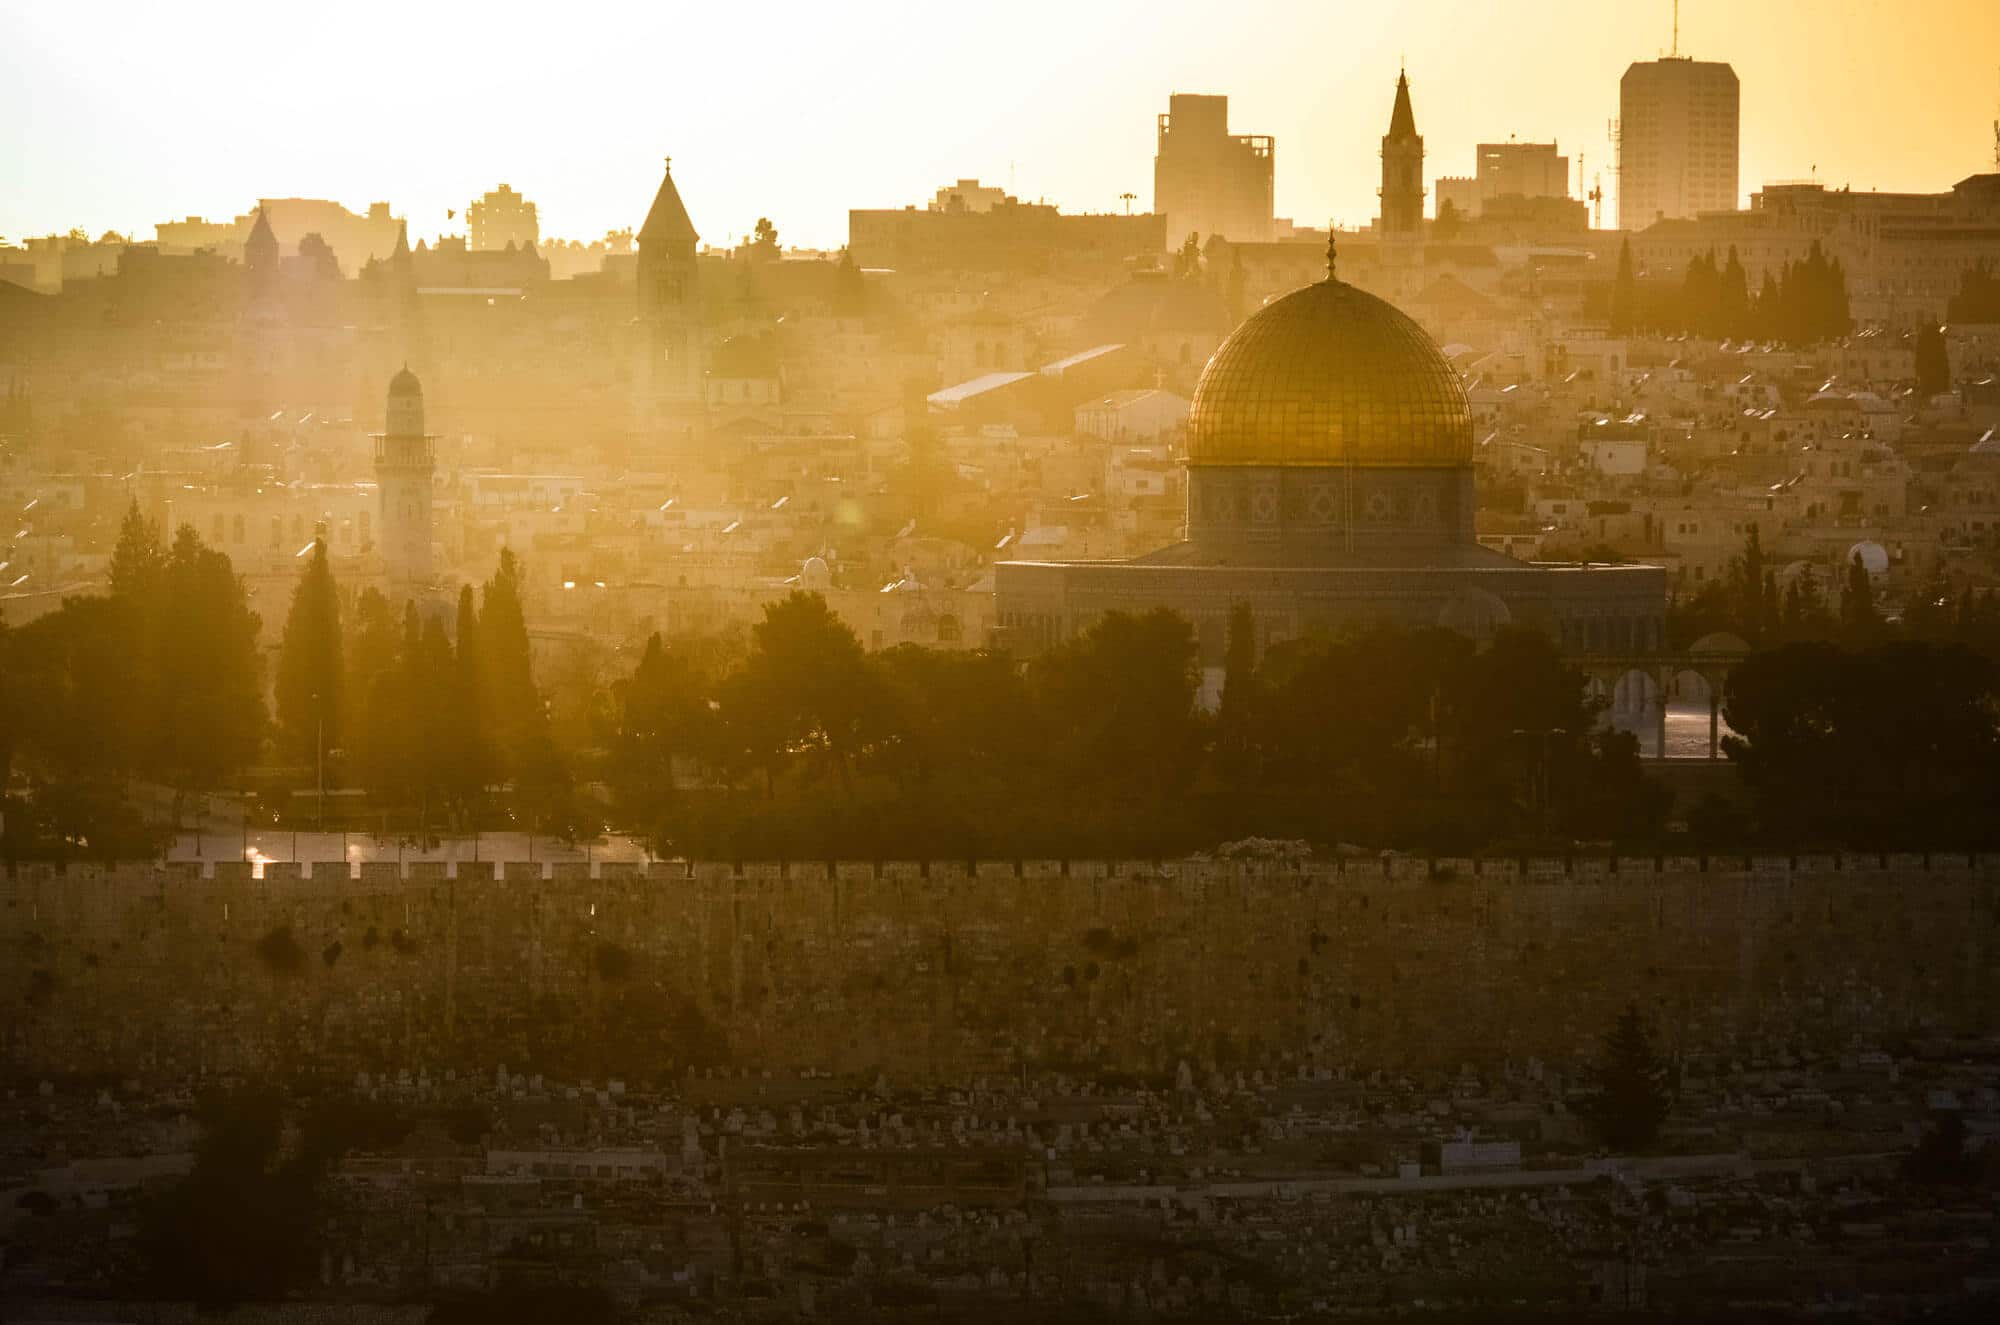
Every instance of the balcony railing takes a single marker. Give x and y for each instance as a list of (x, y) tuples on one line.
[(406, 452)]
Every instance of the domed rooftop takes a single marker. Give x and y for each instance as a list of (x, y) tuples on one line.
[(406, 406), (1330, 375)]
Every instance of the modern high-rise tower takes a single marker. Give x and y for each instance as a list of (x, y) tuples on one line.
[(405, 460), (1402, 170), (501, 218), (1677, 140), (1208, 181)]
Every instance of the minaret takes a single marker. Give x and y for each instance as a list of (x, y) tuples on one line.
[(260, 333), (669, 313), (1402, 170), (405, 460)]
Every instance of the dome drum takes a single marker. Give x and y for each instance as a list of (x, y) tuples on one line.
[(1320, 512)]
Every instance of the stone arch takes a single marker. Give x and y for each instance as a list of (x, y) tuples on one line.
[(1635, 690)]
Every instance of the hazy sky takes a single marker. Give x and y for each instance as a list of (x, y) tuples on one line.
[(119, 114)]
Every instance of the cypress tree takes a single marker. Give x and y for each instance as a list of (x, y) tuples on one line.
[(1933, 363), (1624, 293), (506, 667), (470, 756), (1736, 322), (373, 720), (1632, 1098), (138, 568), (437, 673), (1858, 618), (1839, 319), (1978, 297), (310, 687), (643, 747), (136, 560), (1766, 316)]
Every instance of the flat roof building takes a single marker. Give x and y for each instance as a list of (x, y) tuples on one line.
[(1524, 170), (1209, 181), (1678, 122)]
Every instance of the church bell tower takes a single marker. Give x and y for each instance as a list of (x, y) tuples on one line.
[(669, 308), (1402, 170)]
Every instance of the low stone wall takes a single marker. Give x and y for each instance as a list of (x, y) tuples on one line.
[(945, 969)]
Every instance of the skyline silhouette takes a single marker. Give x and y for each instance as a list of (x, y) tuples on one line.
[(871, 106)]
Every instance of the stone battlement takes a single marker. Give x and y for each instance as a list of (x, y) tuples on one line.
[(1387, 865)]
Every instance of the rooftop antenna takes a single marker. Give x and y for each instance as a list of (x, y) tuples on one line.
[(1677, 29), (1127, 198), (1614, 131)]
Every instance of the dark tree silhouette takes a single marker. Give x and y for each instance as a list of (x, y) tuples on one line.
[(468, 755), (1978, 297), (1117, 703), (507, 672), (1860, 623), (1236, 714), (810, 681), (1940, 1158), (1624, 293), (310, 685), (1631, 1098), (1933, 366), (211, 698), (242, 1226)]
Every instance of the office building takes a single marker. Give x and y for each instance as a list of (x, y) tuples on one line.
[(1677, 140), (1208, 181), (501, 218)]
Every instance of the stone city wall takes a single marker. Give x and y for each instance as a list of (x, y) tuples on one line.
[(944, 970)]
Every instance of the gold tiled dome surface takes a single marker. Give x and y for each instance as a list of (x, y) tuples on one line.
[(1330, 375)]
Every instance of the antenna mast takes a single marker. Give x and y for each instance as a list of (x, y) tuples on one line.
[(1677, 28), (1614, 130)]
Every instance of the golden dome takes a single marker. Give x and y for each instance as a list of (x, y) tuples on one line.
[(1330, 375)]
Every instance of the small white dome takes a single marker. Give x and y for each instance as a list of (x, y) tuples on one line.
[(1874, 557)]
